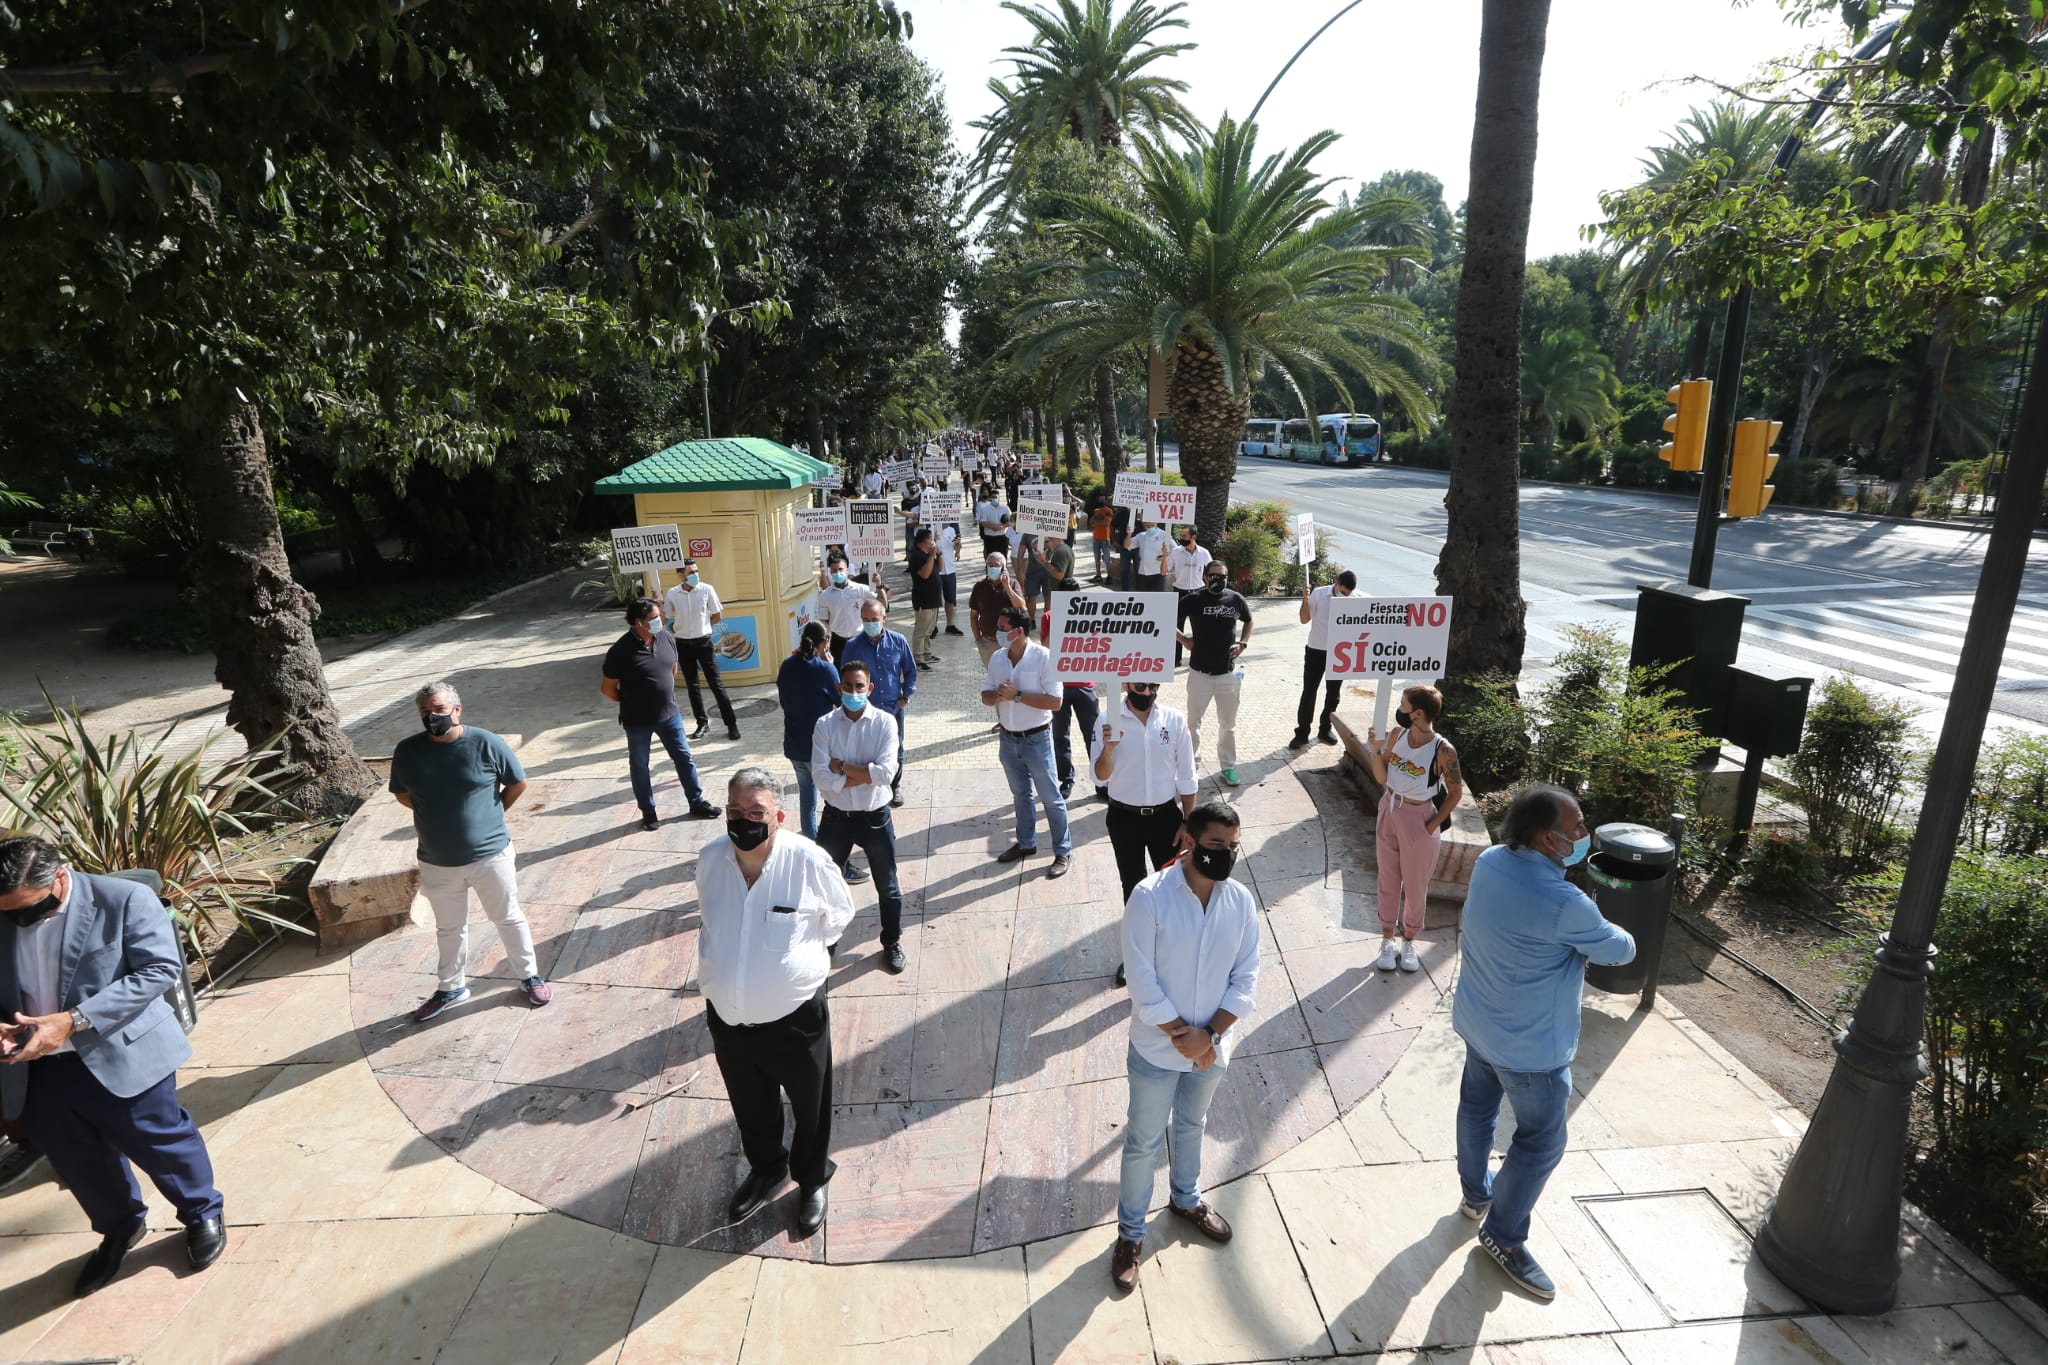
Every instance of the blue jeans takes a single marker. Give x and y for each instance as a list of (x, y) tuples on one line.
[(1158, 1095), (1027, 760), (638, 743), (806, 799), (1539, 1100)]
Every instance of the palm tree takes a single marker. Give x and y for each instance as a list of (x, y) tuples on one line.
[(1566, 380), (1226, 264)]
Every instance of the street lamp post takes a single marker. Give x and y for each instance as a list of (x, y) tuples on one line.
[(1253, 116)]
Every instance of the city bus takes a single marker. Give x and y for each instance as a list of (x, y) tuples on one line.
[(1262, 436), (1336, 438)]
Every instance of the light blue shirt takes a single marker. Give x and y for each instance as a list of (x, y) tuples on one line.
[(1184, 962), (891, 670), (1526, 937)]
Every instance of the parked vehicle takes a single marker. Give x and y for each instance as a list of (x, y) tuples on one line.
[(1263, 436), (1337, 438)]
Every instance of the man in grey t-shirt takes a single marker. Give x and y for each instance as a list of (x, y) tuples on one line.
[(458, 781)]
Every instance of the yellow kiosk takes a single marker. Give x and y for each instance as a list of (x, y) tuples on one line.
[(732, 502)]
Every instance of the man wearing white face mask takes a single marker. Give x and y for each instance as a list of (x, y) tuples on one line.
[(692, 608), (841, 600), (853, 757), (1527, 935), (894, 673)]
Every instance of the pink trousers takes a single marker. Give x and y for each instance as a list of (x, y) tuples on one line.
[(1407, 857)]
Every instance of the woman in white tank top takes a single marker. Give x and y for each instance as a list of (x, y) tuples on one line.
[(1414, 765)]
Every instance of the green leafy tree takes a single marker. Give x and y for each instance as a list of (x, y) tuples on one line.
[(1566, 381)]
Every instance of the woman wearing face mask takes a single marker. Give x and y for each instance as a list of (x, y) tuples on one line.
[(1418, 770), (807, 687)]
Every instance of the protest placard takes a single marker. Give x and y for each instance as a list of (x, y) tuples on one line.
[(648, 547), (941, 507), (1132, 487), (934, 465), (1002, 445), (1030, 460), (829, 481), (1115, 635), (821, 525), (1043, 518), (1304, 539), (1041, 492), (1170, 506), (1389, 637), (898, 471), (870, 529)]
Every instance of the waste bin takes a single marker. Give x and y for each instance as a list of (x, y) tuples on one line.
[(1634, 870)]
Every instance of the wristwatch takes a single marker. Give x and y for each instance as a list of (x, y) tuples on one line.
[(1215, 1040), (79, 1023)]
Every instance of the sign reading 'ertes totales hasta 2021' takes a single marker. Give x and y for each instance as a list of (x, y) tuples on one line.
[(1389, 637)]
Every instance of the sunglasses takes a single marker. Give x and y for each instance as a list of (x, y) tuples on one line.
[(1147, 688)]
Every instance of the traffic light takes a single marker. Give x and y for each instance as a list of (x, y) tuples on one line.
[(1687, 448), (1749, 488)]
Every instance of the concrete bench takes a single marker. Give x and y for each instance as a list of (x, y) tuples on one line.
[(1462, 843)]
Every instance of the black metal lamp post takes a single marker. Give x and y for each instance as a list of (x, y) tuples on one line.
[(1833, 1234)]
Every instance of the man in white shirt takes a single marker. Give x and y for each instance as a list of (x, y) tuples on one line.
[(840, 601), (1191, 939), (1145, 758), (1185, 561), (1024, 688), (771, 905), (1149, 546), (871, 483), (693, 608), (990, 515), (1315, 614), (949, 573), (854, 756)]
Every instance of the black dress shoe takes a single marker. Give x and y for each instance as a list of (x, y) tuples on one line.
[(703, 729), (810, 1210), (650, 822), (1120, 975), (205, 1240), (892, 959), (1015, 853), (105, 1262), (954, 630), (732, 732), (753, 1192)]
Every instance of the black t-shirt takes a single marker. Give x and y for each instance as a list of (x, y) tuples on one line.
[(646, 675), (1211, 619), (924, 592)]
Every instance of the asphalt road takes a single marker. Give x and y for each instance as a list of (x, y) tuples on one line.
[(1884, 600)]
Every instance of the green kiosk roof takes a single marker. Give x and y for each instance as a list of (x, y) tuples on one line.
[(716, 466)]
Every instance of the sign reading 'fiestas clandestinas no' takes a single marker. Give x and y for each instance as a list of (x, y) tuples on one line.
[(1112, 635), (648, 547), (1389, 637)]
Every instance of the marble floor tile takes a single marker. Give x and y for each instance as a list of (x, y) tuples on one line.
[(2005, 1329), (630, 946), (1053, 1161), (692, 1165), (688, 1066), (1554, 1351), (857, 966), (1062, 1034), (442, 1108), (1343, 996), (298, 955), (1770, 1341), (693, 1310), (954, 1045), (965, 952), (1911, 1336), (974, 883), (1327, 1150), (1077, 1316), (1692, 1255), (550, 926), (1655, 1087), (571, 1150), (968, 1309), (871, 1048), (1081, 886), (280, 1019), (649, 880), (1068, 943), (40, 1320), (468, 1042), (1355, 1067), (594, 1038), (558, 1290), (1265, 1106), (571, 877), (1304, 914), (908, 1179), (1277, 1025), (1210, 1304), (1279, 853)]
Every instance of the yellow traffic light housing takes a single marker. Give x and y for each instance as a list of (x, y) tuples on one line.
[(1687, 448), (1749, 487)]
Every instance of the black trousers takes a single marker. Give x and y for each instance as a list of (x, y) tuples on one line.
[(698, 654), (1136, 837), (91, 1134), (1313, 663), (839, 644), (840, 832), (763, 1062), (1077, 703)]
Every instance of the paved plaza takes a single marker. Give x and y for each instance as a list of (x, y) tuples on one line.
[(516, 1185)]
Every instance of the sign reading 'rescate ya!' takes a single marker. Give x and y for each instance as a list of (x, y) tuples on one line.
[(648, 547), (1389, 637)]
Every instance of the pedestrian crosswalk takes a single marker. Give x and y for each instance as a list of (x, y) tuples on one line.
[(1906, 638)]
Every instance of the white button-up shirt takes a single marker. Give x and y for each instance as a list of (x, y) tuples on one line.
[(842, 607), (765, 949), (988, 514), (1319, 617), (1154, 762), (1032, 673), (949, 549), (39, 960), (693, 609), (1150, 547), (869, 738), (1186, 566), (1184, 962)]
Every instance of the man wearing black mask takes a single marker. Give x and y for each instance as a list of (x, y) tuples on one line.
[(1216, 625), (458, 781), (1191, 941), (772, 904), (1146, 763)]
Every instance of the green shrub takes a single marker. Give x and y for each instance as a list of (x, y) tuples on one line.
[(1613, 735), (614, 587), (1581, 463), (1486, 721), (1253, 554), (1809, 482), (2008, 808), (1638, 466), (1418, 451), (1782, 864), (1851, 771)]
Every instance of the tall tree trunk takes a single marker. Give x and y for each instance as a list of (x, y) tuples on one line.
[(260, 619), (1105, 418), (1698, 343), (1625, 350), (1151, 444), (1072, 443), (1208, 418), (1481, 564), (1821, 360), (357, 543), (814, 428)]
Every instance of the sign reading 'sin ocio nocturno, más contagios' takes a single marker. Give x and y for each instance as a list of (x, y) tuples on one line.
[(1389, 637), (1126, 635)]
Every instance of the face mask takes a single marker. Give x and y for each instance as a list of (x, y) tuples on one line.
[(438, 723), (995, 571), (1404, 718), (871, 629), (653, 624), (691, 580), (838, 578), (1213, 584), (1214, 863), (747, 835), (1580, 846), (854, 702), (37, 913), (1141, 702)]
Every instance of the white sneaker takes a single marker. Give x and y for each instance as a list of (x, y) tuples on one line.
[(1390, 955), (1409, 961)]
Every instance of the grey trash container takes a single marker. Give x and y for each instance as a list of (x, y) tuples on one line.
[(1634, 871), (183, 1003)]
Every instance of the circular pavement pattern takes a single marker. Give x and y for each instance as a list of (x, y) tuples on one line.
[(979, 1097)]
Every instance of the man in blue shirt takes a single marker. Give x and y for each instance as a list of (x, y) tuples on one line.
[(1526, 938), (893, 670)]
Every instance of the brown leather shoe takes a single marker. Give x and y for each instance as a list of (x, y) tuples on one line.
[(1207, 1221), (1123, 1264)]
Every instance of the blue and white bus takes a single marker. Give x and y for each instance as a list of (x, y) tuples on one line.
[(1262, 436), (1350, 438)]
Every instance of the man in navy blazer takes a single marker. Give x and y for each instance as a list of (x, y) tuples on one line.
[(90, 1049)]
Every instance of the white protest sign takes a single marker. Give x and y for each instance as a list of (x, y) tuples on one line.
[(1113, 635), (1132, 488), (870, 529), (935, 465), (1042, 518), (1003, 445), (1041, 492), (821, 525), (648, 547), (898, 471), (1170, 506), (1304, 539), (941, 507), (1389, 637), (829, 481), (1030, 460)]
